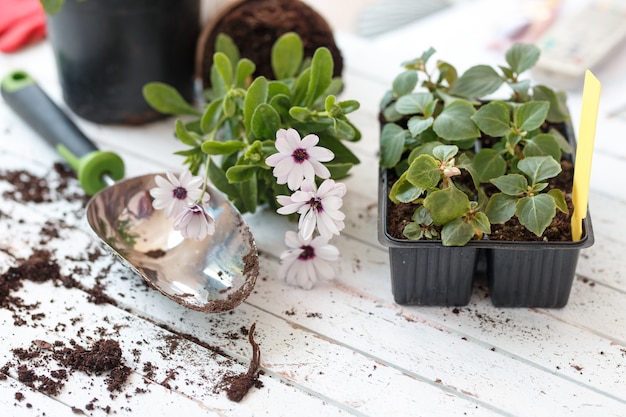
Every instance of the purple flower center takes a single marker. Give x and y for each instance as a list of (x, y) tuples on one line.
[(308, 252), (300, 155), (179, 193), (316, 204)]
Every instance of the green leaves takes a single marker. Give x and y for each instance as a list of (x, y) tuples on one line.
[(541, 145), (404, 83), (417, 103), (446, 205), (211, 147), (403, 191), (439, 127), (392, 140), (287, 55), (224, 68), (512, 184), (536, 212), (477, 81), (321, 75), (522, 57), (424, 172), (521, 195), (236, 130), (167, 99), (488, 163), (539, 168), (455, 123), (493, 119), (52, 7), (265, 122), (530, 116)]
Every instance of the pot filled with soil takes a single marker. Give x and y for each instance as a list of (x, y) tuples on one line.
[(107, 50), (471, 184), (255, 25)]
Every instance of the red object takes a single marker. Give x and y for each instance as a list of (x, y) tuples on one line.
[(22, 22)]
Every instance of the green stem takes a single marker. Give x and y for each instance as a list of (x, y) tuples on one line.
[(206, 180)]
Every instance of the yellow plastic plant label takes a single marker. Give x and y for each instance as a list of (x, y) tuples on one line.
[(584, 152)]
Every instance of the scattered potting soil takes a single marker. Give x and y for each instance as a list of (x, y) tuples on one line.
[(47, 366), (28, 187), (104, 358), (254, 26)]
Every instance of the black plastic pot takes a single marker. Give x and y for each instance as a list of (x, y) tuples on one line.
[(425, 272), (107, 50), (534, 274), (520, 274)]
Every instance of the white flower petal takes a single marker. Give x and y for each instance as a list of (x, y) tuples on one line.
[(323, 270), (308, 172), (282, 169), (303, 278), (289, 209), (319, 169), (274, 159), (321, 154), (293, 139), (296, 175), (194, 222), (309, 141), (327, 252), (308, 186), (291, 239), (307, 224), (172, 178), (332, 203), (325, 187), (302, 196)]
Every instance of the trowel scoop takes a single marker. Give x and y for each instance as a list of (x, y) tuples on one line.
[(213, 275)]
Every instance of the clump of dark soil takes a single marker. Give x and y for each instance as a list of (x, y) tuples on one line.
[(254, 26), (237, 386), (39, 267), (104, 358)]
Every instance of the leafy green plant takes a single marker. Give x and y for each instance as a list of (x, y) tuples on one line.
[(235, 133), (446, 205), (437, 124), (521, 195)]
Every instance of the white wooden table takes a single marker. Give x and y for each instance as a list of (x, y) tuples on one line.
[(342, 348)]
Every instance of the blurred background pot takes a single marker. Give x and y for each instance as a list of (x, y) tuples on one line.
[(106, 50), (255, 25)]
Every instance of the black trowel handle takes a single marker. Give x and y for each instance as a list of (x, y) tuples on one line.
[(33, 105)]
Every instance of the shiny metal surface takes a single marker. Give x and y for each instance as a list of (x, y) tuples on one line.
[(213, 275)]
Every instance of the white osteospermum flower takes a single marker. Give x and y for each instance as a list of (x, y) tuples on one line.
[(174, 194), (318, 208), (195, 222), (307, 261), (298, 159)]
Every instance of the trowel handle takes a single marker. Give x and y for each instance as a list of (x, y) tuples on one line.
[(33, 105)]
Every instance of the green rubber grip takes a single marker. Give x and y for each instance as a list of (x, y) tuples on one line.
[(32, 104)]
